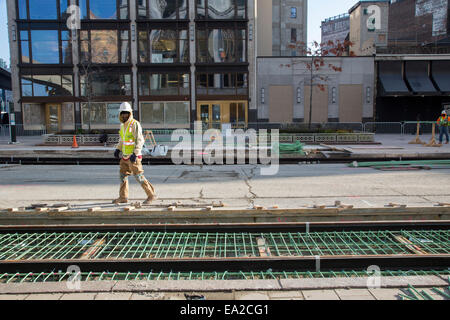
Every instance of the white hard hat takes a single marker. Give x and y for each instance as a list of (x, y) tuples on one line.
[(125, 107), (444, 112)]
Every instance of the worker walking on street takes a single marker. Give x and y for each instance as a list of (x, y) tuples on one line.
[(130, 144), (443, 126)]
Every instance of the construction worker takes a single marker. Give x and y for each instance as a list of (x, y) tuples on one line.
[(443, 127), (130, 144)]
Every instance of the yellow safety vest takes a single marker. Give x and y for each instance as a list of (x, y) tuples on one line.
[(128, 139)]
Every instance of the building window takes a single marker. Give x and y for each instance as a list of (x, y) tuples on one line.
[(294, 13), (46, 85), (164, 84), (45, 46), (101, 113), (161, 10), (104, 46), (222, 83), (220, 9), (293, 35), (42, 9), (101, 9), (163, 46), (221, 45), (165, 113), (105, 84)]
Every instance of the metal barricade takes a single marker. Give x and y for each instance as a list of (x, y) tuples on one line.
[(384, 127), (4, 130), (410, 127)]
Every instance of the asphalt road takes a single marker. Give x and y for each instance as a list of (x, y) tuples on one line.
[(238, 186)]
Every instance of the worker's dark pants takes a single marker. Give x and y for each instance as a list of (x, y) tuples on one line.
[(443, 131)]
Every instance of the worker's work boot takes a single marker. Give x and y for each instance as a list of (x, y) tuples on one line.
[(149, 200), (120, 200)]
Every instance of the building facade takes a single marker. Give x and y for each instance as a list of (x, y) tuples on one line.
[(284, 86), (336, 29), (419, 26), (287, 34), (369, 23), (176, 61)]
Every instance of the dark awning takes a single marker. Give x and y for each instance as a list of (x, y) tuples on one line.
[(440, 71), (391, 78), (417, 75)]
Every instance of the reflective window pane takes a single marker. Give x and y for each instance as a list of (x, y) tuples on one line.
[(221, 45), (104, 47), (25, 52), (51, 85), (63, 5), (163, 46), (83, 9), (221, 9), (201, 8), (163, 9), (152, 113), (66, 47), (183, 9), (101, 9), (97, 113), (43, 9), (184, 84), (27, 89), (112, 113), (142, 8), (143, 47), (241, 13), (144, 84), (176, 113), (123, 9), (45, 47), (125, 47), (22, 9)]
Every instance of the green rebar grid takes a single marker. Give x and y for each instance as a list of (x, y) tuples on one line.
[(190, 276), (171, 245)]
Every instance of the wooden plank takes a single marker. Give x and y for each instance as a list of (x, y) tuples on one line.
[(410, 246), (92, 249), (60, 209)]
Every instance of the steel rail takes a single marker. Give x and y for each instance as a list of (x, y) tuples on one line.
[(235, 227), (275, 264)]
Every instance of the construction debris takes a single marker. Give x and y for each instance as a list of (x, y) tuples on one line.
[(396, 205)]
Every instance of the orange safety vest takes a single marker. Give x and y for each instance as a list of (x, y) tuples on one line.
[(443, 121)]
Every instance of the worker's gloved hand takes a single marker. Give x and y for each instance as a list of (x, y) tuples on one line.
[(116, 153), (133, 158)]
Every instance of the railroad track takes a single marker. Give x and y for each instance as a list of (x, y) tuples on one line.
[(167, 161), (318, 247)]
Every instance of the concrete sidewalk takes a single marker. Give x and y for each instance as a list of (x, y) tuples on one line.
[(287, 289), (390, 146)]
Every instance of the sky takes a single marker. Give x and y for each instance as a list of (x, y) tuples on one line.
[(318, 10)]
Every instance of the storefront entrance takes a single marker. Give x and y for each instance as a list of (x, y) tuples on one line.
[(213, 114), (53, 117)]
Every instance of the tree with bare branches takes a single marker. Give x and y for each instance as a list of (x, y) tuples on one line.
[(316, 65)]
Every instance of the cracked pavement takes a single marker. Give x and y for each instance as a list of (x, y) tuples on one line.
[(239, 186)]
